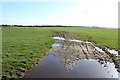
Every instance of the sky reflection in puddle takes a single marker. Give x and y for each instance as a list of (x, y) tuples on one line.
[(55, 45), (59, 38), (77, 69)]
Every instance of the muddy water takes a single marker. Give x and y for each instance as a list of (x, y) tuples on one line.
[(52, 67), (71, 59)]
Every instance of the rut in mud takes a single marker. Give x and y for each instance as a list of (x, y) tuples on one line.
[(70, 50), (78, 50)]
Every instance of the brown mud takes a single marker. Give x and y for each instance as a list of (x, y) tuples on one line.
[(70, 53), (87, 51)]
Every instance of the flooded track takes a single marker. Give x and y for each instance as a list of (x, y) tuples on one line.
[(72, 58)]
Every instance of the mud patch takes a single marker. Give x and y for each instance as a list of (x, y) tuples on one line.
[(74, 60)]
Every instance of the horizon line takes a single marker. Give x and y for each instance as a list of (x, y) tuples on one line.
[(59, 26)]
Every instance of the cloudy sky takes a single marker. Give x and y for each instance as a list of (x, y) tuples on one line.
[(101, 13)]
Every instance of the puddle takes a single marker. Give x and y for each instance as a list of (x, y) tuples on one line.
[(55, 45), (59, 38), (98, 49), (88, 42), (66, 63), (113, 52), (80, 41), (76, 40), (75, 60), (54, 67)]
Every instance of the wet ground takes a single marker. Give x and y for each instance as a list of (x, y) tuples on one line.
[(72, 58)]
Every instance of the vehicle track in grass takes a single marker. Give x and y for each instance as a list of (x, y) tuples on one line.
[(70, 53)]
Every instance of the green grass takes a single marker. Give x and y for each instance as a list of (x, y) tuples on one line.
[(22, 47)]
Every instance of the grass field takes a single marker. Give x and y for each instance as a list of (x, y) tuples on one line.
[(24, 46), (21, 47)]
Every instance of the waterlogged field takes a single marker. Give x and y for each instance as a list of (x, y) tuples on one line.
[(102, 36), (24, 46)]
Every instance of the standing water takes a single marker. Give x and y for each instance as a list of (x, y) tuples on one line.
[(74, 61), (52, 67)]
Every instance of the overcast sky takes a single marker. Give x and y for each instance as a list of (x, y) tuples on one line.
[(102, 13)]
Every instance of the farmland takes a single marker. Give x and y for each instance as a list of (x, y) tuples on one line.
[(22, 47), (102, 36)]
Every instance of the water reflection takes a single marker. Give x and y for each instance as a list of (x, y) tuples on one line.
[(53, 67), (74, 60), (55, 45), (59, 38), (113, 52), (73, 40), (77, 40), (72, 55)]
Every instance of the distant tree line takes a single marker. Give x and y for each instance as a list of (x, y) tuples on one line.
[(37, 26), (6, 25)]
